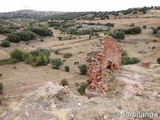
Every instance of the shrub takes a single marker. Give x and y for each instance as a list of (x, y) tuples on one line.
[(1, 88), (27, 43), (59, 38), (82, 88), (155, 31), (158, 60), (83, 69), (153, 47), (67, 55), (42, 40), (36, 58), (17, 55), (56, 63), (132, 25), (155, 40), (28, 58), (66, 68), (124, 53), (36, 52), (144, 26), (127, 60), (158, 28), (134, 30), (109, 24), (40, 59), (113, 35), (135, 12), (21, 36), (56, 52), (5, 43), (64, 82), (4, 30), (42, 31), (120, 35)]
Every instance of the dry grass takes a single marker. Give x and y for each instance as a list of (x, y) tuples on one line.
[(25, 75)]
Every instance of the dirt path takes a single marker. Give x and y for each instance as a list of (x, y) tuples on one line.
[(7, 92)]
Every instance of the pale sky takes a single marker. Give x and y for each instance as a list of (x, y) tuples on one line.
[(74, 5)]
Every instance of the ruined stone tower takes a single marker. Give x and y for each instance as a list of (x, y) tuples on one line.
[(104, 55)]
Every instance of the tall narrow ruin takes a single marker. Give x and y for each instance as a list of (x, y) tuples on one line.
[(104, 55)]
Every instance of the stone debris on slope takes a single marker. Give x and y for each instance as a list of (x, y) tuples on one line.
[(54, 102)]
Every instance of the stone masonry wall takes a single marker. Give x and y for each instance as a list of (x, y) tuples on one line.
[(104, 55)]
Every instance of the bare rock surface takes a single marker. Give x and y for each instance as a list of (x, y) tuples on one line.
[(53, 102)]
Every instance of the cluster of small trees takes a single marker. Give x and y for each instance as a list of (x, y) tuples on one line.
[(120, 35), (109, 24), (5, 43), (21, 36), (4, 30), (36, 58), (8, 28), (41, 31), (133, 31)]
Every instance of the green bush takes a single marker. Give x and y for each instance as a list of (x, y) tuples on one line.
[(41, 59), (83, 69), (127, 60), (144, 26), (56, 52), (153, 47), (124, 53), (21, 36), (113, 35), (82, 88), (66, 68), (41, 31), (120, 35), (36, 52), (4, 30), (132, 25), (17, 55), (158, 60), (1, 88), (59, 38), (64, 82), (5, 43), (135, 12), (42, 40), (133, 31), (155, 31), (109, 24), (56, 63), (36, 58), (28, 58), (67, 55), (158, 28)]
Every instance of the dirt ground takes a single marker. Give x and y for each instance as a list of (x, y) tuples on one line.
[(22, 75)]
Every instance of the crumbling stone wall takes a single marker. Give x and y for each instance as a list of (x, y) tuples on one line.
[(104, 55)]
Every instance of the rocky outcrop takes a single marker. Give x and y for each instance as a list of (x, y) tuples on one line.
[(54, 102), (104, 55), (22, 15)]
